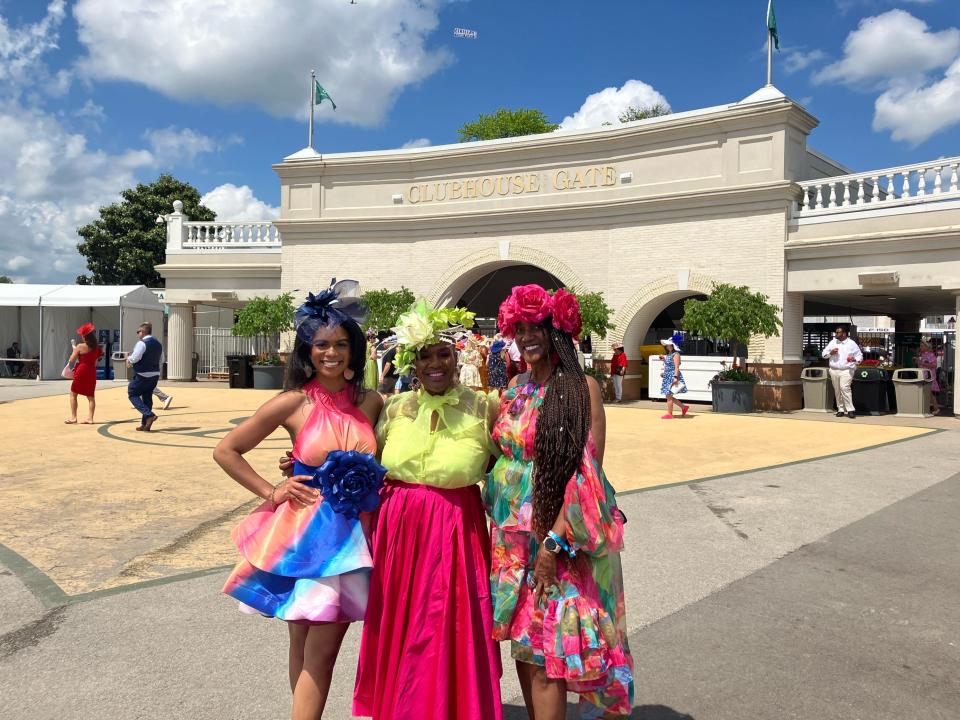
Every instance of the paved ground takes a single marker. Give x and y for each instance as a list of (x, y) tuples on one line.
[(820, 589)]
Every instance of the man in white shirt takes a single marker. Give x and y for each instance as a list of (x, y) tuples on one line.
[(844, 354)]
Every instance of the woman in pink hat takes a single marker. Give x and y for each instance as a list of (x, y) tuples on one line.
[(85, 354)]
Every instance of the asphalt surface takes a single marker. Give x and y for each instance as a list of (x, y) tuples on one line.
[(825, 589)]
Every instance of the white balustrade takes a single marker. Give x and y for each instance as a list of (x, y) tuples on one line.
[(225, 235), (921, 183)]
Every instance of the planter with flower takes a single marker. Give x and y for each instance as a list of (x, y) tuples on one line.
[(266, 318), (735, 314)]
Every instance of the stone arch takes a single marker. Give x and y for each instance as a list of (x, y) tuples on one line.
[(463, 273), (633, 318)]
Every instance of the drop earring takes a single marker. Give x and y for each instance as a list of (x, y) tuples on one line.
[(348, 374)]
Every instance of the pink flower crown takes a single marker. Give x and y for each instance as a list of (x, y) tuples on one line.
[(532, 304)]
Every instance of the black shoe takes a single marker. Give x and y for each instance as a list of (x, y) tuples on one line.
[(148, 423), (851, 415), (840, 413)]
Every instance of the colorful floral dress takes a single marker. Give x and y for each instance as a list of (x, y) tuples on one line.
[(671, 376), (580, 635)]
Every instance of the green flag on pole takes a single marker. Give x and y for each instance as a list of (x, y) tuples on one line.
[(771, 25), (324, 95)]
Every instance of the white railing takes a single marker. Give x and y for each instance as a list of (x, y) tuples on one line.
[(223, 235), (213, 344), (910, 184)]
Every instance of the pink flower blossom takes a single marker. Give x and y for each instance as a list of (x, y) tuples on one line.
[(566, 313)]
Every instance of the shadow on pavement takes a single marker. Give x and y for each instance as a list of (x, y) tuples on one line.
[(641, 712)]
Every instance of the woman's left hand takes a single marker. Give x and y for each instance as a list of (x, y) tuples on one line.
[(544, 574)]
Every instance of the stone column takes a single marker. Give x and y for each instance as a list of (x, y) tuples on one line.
[(180, 343)]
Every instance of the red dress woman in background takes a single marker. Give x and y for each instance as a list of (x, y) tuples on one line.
[(86, 353)]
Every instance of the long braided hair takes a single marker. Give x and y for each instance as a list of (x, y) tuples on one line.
[(562, 428)]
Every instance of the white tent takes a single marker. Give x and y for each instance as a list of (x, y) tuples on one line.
[(44, 318)]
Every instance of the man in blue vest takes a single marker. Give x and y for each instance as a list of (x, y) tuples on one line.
[(145, 361)]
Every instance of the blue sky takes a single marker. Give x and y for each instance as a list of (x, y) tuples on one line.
[(96, 95)]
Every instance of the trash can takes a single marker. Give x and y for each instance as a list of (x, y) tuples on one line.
[(119, 362), (914, 395), (194, 364), (241, 370), (870, 390), (817, 390)]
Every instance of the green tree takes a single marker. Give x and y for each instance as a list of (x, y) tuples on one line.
[(5, 280), (385, 306), (506, 123), (643, 112), (595, 313), (124, 246), (265, 316), (732, 313)]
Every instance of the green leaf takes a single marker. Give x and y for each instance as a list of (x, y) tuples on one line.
[(732, 313), (385, 306), (506, 123)]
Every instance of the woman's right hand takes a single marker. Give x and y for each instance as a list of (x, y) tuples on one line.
[(285, 464), (294, 490)]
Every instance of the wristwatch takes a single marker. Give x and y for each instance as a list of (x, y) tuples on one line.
[(551, 545)]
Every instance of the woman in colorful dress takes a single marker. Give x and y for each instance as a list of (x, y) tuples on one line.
[(85, 353), (926, 358), (427, 651), (556, 531), (306, 556), (673, 383)]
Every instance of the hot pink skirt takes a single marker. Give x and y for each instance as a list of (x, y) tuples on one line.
[(427, 651)]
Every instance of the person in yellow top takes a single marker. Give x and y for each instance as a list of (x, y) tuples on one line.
[(427, 651)]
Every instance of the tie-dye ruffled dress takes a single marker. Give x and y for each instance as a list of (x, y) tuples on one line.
[(309, 564), (580, 633)]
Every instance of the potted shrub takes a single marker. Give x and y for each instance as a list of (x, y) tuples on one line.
[(267, 317), (732, 313)]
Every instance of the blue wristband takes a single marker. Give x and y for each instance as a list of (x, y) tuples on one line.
[(559, 541)]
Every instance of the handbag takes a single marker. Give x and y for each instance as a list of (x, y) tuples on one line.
[(67, 372)]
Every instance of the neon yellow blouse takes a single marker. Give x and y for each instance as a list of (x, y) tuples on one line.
[(454, 455)]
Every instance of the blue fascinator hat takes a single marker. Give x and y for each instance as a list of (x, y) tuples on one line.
[(676, 340), (336, 305)]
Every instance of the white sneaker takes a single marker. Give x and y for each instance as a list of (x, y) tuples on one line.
[(166, 403)]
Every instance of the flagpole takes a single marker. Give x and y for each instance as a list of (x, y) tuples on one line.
[(313, 97), (769, 58)]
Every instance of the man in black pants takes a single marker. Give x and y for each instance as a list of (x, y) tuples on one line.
[(145, 361)]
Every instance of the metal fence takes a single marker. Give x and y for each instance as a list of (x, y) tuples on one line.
[(213, 344)]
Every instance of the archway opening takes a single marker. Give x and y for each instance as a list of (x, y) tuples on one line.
[(484, 295)]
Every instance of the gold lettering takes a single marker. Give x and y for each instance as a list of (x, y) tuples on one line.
[(516, 184), (436, 191), (410, 195), (470, 189), (427, 195), (533, 182), (560, 180), (590, 175), (578, 181), (484, 193), (609, 176), (503, 185), (456, 190)]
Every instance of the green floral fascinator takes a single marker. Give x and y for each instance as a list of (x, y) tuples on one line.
[(423, 325)]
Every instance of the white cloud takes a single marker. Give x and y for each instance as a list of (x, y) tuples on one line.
[(417, 143), (892, 45), (18, 262), (795, 60), (259, 52), (606, 105), (914, 114), (172, 146), (21, 48), (91, 111), (896, 53), (230, 202)]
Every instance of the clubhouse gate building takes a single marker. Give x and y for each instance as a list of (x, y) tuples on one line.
[(649, 212)]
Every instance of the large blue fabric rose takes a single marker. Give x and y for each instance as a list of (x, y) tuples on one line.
[(350, 481)]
